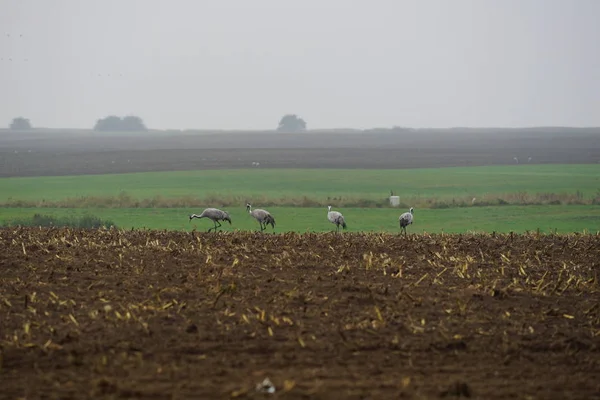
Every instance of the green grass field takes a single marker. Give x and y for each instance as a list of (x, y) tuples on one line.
[(563, 219), (578, 184), (444, 183)]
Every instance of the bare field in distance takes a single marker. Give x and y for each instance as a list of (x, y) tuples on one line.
[(114, 314), (68, 152)]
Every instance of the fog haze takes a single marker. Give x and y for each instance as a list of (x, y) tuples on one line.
[(243, 64)]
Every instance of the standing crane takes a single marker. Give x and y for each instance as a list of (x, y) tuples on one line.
[(336, 217), (263, 217), (215, 215), (405, 220)]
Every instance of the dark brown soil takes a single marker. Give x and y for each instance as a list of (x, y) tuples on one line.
[(144, 314)]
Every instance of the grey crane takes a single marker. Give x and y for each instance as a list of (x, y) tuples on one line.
[(263, 217), (405, 220), (215, 215), (336, 217)]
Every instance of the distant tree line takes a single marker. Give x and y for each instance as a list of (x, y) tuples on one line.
[(291, 123), (110, 123), (113, 123), (133, 123), (20, 124)]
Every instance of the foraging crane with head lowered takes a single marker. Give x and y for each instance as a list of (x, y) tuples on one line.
[(215, 215)]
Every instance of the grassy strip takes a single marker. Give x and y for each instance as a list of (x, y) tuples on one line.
[(518, 219)]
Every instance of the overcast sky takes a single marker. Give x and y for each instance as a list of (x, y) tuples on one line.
[(236, 64)]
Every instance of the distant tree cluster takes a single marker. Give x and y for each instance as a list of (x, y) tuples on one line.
[(20, 124), (291, 123), (113, 123)]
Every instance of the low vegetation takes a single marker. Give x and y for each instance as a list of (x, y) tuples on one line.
[(126, 200), (43, 220)]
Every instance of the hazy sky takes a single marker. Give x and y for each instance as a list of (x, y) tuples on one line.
[(337, 63)]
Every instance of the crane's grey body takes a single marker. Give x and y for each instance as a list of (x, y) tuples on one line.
[(336, 218), (405, 220), (263, 217), (215, 215)]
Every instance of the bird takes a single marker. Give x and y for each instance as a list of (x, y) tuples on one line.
[(406, 219), (215, 215), (336, 217), (263, 217)]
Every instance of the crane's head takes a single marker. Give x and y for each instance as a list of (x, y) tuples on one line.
[(248, 207), (328, 208), (411, 210)]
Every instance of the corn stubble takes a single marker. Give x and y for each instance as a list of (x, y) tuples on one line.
[(113, 313)]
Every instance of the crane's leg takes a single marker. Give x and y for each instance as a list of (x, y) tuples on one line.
[(215, 227), (210, 229)]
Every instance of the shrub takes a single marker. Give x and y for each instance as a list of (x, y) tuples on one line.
[(85, 221)]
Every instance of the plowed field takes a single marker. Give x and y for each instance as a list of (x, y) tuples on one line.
[(149, 314)]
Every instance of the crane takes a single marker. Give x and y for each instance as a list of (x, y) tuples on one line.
[(215, 215), (336, 217), (263, 217), (405, 220)]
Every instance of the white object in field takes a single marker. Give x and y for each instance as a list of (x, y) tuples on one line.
[(266, 386), (395, 201)]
